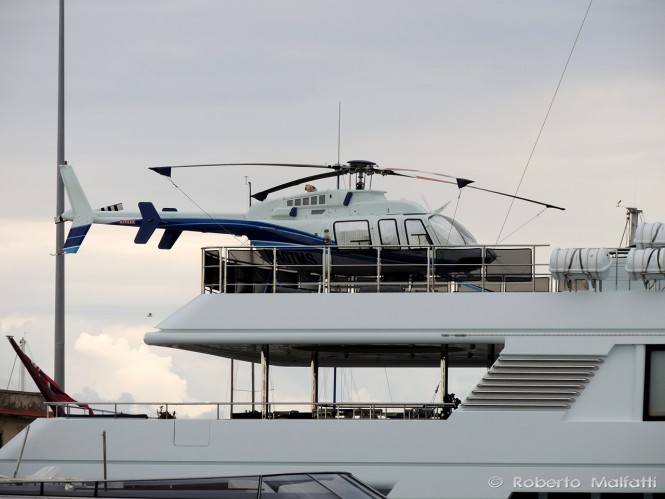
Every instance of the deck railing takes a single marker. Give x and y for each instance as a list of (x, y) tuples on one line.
[(389, 269), (258, 410), (360, 269)]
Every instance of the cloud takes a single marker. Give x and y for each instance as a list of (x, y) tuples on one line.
[(116, 370), (114, 366)]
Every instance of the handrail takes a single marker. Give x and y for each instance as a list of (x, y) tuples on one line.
[(390, 268), (376, 268), (273, 410)]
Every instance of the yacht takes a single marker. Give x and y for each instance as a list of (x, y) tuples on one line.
[(572, 403)]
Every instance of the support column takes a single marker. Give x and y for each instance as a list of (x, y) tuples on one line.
[(232, 390), (315, 381), (253, 389), (59, 326), (265, 379), (443, 383)]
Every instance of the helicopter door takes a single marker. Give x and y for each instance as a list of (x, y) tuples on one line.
[(355, 256)]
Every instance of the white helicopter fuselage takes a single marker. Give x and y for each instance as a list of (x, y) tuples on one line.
[(337, 217)]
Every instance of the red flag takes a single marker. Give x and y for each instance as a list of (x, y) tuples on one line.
[(49, 389)]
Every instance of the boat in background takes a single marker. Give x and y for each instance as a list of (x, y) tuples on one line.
[(282, 486)]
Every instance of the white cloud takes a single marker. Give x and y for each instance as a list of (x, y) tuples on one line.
[(114, 366)]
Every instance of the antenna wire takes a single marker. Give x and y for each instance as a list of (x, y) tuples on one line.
[(549, 109)]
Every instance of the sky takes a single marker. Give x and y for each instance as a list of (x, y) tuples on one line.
[(455, 87)]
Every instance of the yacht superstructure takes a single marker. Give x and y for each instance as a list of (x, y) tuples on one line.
[(573, 401)]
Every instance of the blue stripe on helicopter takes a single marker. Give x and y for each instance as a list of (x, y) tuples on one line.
[(254, 230), (75, 238)]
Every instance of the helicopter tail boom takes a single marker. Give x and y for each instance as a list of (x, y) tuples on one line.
[(81, 213)]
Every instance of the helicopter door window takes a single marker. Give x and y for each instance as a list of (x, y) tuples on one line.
[(416, 234), (355, 233), (298, 201), (289, 202), (388, 233), (322, 199), (305, 201)]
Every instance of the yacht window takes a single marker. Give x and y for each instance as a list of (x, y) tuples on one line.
[(654, 383), (388, 233), (355, 233), (446, 232), (416, 234)]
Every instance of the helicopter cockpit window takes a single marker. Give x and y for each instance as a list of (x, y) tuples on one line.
[(416, 234), (355, 233), (449, 234), (388, 233)]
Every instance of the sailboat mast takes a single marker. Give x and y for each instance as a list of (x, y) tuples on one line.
[(59, 362)]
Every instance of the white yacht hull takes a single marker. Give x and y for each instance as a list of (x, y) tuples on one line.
[(599, 441), (471, 455)]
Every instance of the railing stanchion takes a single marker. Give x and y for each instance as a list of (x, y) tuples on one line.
[(378, 269), (429, 270), (483, 267), (327, 268), (224, 269), (274, 270)]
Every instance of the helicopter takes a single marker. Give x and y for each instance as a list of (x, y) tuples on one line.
[(352, 223)]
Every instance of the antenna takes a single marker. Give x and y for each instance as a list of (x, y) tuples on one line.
[(339, 133), (249, 184)]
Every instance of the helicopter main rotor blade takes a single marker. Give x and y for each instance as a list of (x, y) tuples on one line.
[(518, 197), (461, 182), (166, 170), (353, 167), (547, 205), (260, 196)]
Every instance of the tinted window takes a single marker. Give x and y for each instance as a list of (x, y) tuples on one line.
[(416, 235), (354, 233), (388, 232), (654, 383)]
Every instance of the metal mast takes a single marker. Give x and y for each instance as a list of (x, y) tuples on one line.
[(59, 363)]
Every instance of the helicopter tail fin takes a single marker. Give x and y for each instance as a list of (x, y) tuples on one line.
[(81, 213)]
